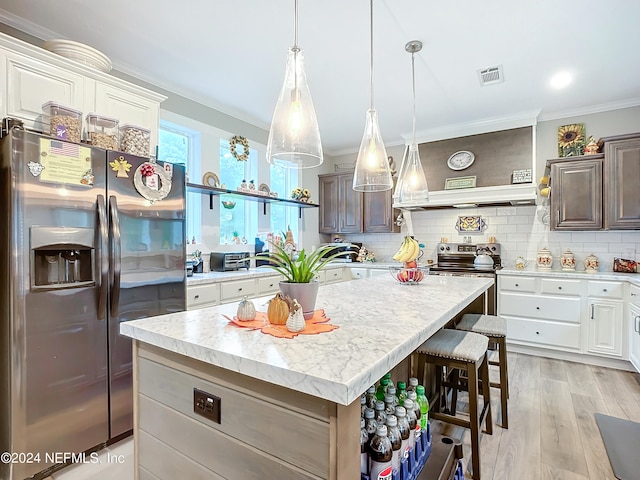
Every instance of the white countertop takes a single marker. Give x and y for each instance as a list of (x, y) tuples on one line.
[(213, 277), (633, 278), (380, 323)]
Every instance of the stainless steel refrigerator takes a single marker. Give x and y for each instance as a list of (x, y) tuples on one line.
[(89, 238)]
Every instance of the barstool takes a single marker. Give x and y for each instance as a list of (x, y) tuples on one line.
[(495, 328), (465, 351)]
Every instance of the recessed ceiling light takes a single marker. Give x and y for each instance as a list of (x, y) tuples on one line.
[(561, 80)]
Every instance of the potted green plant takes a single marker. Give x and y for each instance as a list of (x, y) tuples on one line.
[(300, 272)]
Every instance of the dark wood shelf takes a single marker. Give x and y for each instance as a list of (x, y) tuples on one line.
[(214, 191)]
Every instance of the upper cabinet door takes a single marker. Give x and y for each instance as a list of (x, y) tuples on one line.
[(349, 206), (31, 83), (379, 213), (623, 178), (328, 200), (129, 108), (576, 195)]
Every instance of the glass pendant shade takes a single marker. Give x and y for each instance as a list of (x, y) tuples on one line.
[(372, 172), (294, 137), (412, 183)]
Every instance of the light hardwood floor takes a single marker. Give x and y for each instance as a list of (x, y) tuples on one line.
[(552, 429)]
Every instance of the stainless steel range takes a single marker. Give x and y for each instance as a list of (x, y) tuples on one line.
[(457, 259)]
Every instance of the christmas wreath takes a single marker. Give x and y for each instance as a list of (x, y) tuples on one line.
[(233, 146)]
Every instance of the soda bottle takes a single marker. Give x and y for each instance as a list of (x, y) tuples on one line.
[(370, 424), (413, 396), (423, 402), (380, 455), (364, 454), (413, 383), (363, 404), (413, 421), (371, 397), (393, 432), (392, 391), (381, 391), (388, 377), (381, 416), (402, 392), (403, 426), (389, 404)]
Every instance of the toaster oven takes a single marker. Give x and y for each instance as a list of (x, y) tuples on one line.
[(226, 261)]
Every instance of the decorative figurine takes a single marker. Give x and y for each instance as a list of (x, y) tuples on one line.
[(592, 146), (591, 263), (252, 185), (243, 184)]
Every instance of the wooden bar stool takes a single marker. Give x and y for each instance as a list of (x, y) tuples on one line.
[(495, 328), (455, 349)]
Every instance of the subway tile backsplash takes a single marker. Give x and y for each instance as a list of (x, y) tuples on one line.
[(519, 230)]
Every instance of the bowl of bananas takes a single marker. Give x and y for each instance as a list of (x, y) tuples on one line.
[(409, 251), (408, 274)]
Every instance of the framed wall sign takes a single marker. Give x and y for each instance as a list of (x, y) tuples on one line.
[(460, 182)]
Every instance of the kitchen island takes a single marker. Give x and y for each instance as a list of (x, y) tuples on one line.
[(288, 408)]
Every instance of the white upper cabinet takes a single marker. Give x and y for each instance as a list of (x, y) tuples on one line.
[(33, 76)]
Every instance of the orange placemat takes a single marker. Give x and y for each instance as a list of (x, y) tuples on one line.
[(316, 324)]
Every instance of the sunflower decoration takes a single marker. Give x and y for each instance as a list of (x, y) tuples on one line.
[(571, 140)]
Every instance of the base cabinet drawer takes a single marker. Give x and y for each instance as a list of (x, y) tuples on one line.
[(602, 289), (334, 275), (200, 296), (237, 289), (564, 309), (517, 284), (544, 333), (557, 286), (267, 285)]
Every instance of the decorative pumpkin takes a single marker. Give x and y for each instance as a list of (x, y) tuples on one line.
[(278, 310), (295, 322), (246, 310)]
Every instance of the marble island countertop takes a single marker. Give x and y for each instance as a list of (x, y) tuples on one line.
[(376, 332)]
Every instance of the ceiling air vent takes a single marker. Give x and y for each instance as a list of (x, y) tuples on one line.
[(491, 75)]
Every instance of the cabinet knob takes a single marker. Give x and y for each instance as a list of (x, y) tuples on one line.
[(537, 333), (537, 308), (271, 284), (604, 289), (559, 288), (240, 289), (197, 296), (517, 284)]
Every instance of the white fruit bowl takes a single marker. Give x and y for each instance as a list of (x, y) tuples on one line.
[(409, 276), (80, 53)]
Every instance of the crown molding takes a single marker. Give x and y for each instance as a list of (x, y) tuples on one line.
[(603, 107)]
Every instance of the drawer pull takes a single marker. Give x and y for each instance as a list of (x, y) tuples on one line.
[(636, 327), (537, 308), (559, 288), (240, 289), (592, 308), (517, 284), (196, 297), (604, 289), (537, 333), (271, 284)]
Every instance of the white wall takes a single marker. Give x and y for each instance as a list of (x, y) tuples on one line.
[(520, 229)]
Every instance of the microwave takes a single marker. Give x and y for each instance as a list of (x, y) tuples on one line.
[(226, 261), (351, 251)]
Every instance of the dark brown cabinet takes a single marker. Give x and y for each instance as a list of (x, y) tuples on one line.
[(622, 169), (576, 193), (343, 210), (596, 192)]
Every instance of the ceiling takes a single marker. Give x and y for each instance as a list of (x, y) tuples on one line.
[(231, 54)]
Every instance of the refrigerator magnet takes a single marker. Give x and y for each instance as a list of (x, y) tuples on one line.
[(152, 181), (35, 168), (121, 167), (168, 167)]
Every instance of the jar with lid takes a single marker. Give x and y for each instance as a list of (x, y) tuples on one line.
[(65, 123), (568, 261), (135, 140), (102, 131), (544, 260), (521, 263), (591, 263)]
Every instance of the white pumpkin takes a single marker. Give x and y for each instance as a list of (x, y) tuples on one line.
[(246, 310), (295, 322)]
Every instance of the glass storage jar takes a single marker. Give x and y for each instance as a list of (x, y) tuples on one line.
[(135, 140), (102, 131)]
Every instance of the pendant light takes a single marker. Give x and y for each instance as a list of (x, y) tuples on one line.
[(372, 172), (294, 137), (412, 184)]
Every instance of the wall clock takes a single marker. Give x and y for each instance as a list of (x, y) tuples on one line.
[(460, 160)]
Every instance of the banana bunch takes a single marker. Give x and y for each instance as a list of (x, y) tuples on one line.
[(409, 250)]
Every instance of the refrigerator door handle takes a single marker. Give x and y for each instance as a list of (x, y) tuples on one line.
[(116, 251), (103, 257)]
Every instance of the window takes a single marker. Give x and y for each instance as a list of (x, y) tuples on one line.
[(239, 221), (283, 217), (180, 145)]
